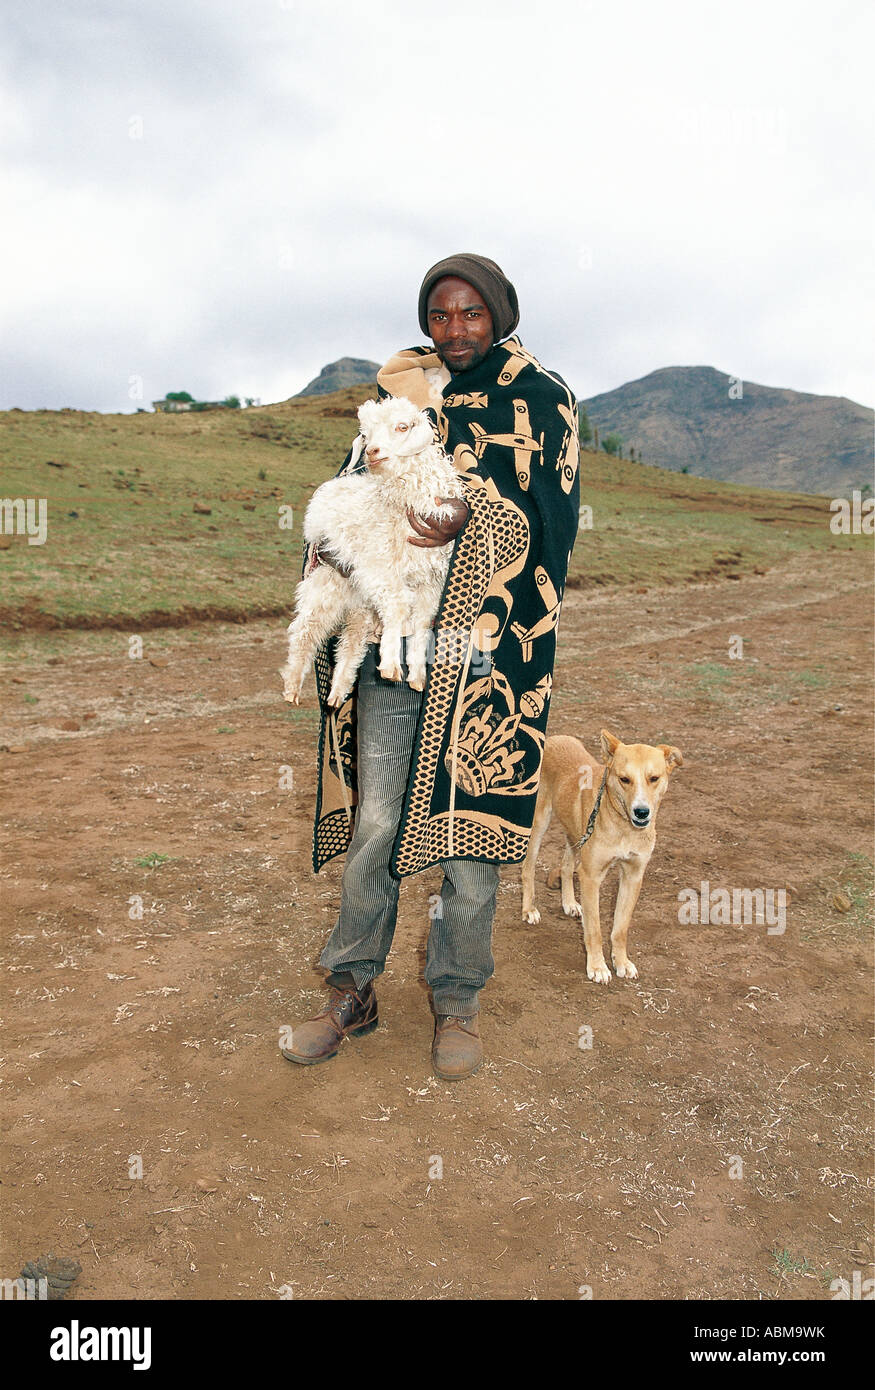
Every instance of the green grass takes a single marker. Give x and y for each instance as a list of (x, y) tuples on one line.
[(137, 550), (152, 861), (712, 679), (741, 683), (856, 879), (785, 1263), (858, 882), (136, 554), (740, 680), (304, 715)]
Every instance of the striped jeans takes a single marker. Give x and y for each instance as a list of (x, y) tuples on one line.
[(459, 954)]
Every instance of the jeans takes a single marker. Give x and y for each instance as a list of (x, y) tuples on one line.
[(459, 954)]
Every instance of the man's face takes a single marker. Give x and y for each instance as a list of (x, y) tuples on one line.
[(459, 323)]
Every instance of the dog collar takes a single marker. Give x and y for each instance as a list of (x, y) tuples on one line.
[(590, 825)]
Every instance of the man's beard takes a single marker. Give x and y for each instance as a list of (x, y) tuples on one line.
[(475, 361)]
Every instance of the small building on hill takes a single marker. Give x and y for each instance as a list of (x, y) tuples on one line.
[(167, 405)]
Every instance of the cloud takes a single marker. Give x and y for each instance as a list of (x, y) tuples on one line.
[(223, 198)]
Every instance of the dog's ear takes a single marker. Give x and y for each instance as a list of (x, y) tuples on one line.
[(673, 756), (609, 745), (367, 415)]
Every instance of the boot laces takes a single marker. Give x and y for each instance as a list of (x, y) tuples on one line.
[(455, 1021), (336, 1004)]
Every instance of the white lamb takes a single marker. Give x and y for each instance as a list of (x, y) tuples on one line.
[(360, 519)]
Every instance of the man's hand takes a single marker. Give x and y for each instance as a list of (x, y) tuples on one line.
[(328, 559), (442, 530)]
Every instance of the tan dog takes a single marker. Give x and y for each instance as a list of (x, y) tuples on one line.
[(613, 809)]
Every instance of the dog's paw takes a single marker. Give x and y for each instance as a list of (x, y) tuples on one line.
[(599, 973), (573, 910), (629, 971), (533, 917)]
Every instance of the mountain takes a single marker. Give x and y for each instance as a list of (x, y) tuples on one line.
[(347, 371), (685, 417)]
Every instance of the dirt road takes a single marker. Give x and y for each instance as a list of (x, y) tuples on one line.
[(710, 1143)]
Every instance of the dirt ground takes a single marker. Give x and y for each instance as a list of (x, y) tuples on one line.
[(564, 1168)]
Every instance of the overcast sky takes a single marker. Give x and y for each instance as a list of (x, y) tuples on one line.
[(224, 196)]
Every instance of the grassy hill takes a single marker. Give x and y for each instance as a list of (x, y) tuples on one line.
[(127, 550)]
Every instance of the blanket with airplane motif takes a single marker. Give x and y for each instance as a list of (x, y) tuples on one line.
[(511, 428)]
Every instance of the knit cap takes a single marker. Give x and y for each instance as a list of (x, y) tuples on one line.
[(498, 293)]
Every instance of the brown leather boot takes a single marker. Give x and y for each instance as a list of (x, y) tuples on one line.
[(457, 1050), (347, 1011)]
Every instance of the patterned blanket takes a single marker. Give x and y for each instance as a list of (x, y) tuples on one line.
[(511, 429)]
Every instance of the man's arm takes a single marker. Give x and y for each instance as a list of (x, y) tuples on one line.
[(443, 529), (328, 559), (428, 533)]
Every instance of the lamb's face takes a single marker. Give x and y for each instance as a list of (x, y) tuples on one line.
[(394, 430)]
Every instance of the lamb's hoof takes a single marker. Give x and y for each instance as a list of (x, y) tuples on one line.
[(391, 672), (629, 971), (533, 917), (292, 682), (600, 974), (336, 699), (416, 684)]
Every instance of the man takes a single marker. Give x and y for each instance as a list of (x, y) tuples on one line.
[(449, 775)]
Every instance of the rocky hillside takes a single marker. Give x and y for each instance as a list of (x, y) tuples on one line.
[(695, 418), (347, 371)]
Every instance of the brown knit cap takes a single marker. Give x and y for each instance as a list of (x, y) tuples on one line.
[(498, 293)]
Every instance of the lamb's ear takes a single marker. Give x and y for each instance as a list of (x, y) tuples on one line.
[(358, 447), (609, 745), (367, 415), (673, 756)]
